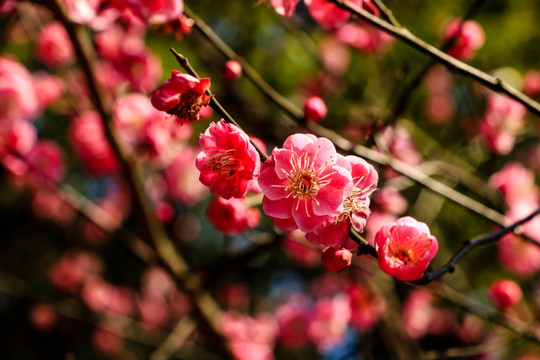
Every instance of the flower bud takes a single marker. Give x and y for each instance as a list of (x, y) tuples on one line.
[(336, 259), (315, 109), (505, 293), (232, 70)]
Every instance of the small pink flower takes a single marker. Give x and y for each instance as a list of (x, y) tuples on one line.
[(405, 248), (336, 259), (18, 98), (228, 162), (53, 47), (46, 159), (304, 183), (531, 83), (232, 216), (467, 39), (156, 11), (505, 293), (82, 11), (182, 95), (43, 317), (328, 14), (285, 7), (87, 135)]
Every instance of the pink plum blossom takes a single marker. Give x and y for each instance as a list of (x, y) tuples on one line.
[(366, 307), (335, 230), (468, 38), (405, 248), (531, 83), (297, 247), (232, 216), (328, 14), (18, 98), (249, 337), (49, 88), (505, 293), (304, 183), (82, 11), (53, 46), (43, 317), (87, 135), (182, 178), (156, 11), (228, 162), (364, 38), (46, 160), (285, 7), (519, 256), (182, 95), (293, 317), (502, 121), (515, 182), (330, 319)]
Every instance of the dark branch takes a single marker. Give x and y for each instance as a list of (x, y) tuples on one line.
[(468, 246)]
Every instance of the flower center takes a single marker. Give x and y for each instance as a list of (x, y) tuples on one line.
[(404, 255), (189, 106), (303, 183), (224, 163)]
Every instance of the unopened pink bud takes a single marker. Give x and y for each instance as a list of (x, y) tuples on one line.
[(505, 293), (315, 109), (336, 259), (232, 70)]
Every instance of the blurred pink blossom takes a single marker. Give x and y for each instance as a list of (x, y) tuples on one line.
[(53, 46), (18, 98), (518, 255), (156, 11), (329, 321), (285, 7), (327, 14), (87, 135), (468, 38), (505, 293), (232, 216), (366, 307)]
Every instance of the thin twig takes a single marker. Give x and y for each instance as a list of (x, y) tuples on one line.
[(402, 101), (407, 37), (468, 246), (341, 143)]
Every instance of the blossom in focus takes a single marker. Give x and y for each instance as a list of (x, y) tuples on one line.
[(182, 95), (228, 162), (53, 47), (505, 293), (232, 216), (285, 7), (405, 248), (468, 38), (156, 11), (304, 183)]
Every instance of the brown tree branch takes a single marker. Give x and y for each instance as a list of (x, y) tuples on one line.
[(451, 63)]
